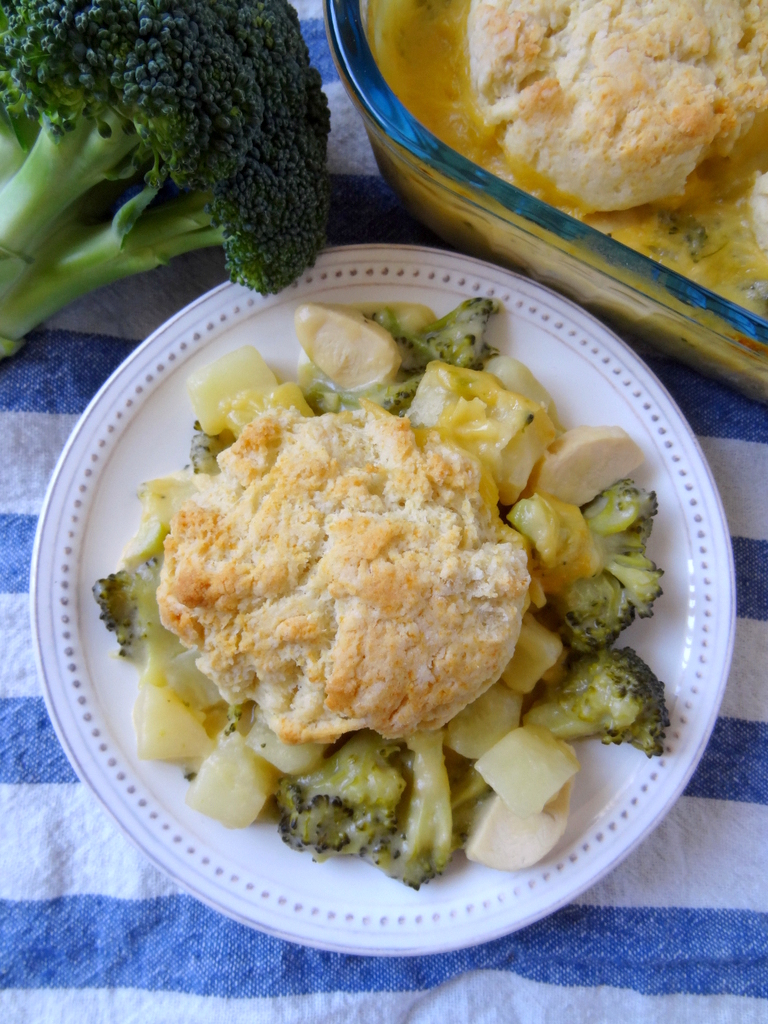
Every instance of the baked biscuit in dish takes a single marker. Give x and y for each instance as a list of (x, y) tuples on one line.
[(617, 101), (345, 573)]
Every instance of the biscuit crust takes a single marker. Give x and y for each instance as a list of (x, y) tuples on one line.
[(617, 101), (345, 574)]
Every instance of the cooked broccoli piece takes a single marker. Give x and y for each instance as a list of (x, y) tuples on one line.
[(206, 447), (694, 233), (469, 791), (324, 396), (349, 804), (423, 845), (596, 609), (129, 607), (457, 338), (374, 800), (612, 694), (103, 101)]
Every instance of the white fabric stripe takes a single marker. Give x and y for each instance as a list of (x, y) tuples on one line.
[(35, 439), (18, 675), (307, 9), (349, 151), (733, 462), (746, 695), (56, 841), (702, 855), (481, 997)]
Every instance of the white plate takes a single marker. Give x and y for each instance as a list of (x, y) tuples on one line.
[(139, 426)]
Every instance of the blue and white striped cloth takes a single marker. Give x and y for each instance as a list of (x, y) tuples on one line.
[(90, 931)]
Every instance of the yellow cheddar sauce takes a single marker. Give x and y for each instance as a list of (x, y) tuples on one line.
[(706, 234)]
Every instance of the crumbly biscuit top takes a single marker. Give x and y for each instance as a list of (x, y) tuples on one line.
[(617, 101), (344, 576)]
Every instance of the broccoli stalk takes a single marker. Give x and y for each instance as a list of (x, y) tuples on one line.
[(612, 694), (97, 96)]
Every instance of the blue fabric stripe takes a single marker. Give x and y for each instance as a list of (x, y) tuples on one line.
[(751, 562), (313, 30), (30, 750), (735, 763), (364, 207), (59, 371), (174, 943), (712, 409), (17, 537)]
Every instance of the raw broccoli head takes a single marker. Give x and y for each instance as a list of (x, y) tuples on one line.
[(374, 800), (595, 610), (95, 95), (612, 694), (129, 607)]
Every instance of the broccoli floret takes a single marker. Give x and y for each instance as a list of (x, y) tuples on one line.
[(206, 447), (612, 694), (457, 338), (374, 800), (100, 96), (596, 609), (349, 804), (129, 607)]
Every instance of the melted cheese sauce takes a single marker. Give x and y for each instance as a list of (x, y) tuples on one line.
[(706, 235)]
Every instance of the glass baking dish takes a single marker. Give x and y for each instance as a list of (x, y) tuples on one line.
[(481, 214)]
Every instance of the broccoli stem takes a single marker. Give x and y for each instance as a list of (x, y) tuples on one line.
[(11, 153), (78, 259), (55, 174)]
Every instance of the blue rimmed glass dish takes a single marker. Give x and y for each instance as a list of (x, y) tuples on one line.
[(485, 216)]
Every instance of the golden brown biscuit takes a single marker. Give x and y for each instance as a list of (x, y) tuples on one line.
[(345, 576), (616, 101)]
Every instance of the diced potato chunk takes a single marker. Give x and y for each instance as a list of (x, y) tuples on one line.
[(483, 722), (348, 347), (233, 783), (507, 432), (582, 462), (503, 840), (213, 388), (527, 767), (288, 758), (195, 689), (515, 376), (537, 650), (166, 729)]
